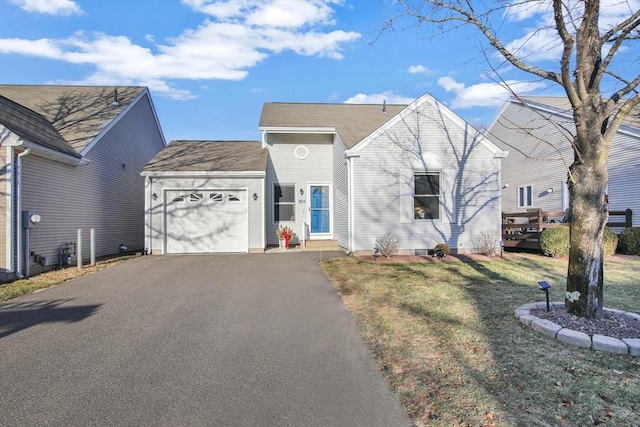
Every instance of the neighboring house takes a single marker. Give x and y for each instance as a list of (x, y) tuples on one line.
[(73, 156), (538, 132), (338, 174)]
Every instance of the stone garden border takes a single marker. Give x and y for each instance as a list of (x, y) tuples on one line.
[(576, 338)]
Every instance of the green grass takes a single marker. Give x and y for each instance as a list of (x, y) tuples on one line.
[(22, 287), (445, 337)]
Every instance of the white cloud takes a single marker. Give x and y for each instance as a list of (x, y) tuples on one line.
[(420, 69), (51, 7), (379, 98), (485, 94), (224, 49), (521, 10)]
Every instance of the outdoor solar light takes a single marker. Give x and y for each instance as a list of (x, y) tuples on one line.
[(544, 286)]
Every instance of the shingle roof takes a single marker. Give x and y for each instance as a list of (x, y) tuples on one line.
[(78, 113), (562, 103), (209, 156), (353, 122), (31, 126)]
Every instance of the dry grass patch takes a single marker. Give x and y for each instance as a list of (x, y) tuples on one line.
[(445, 337), (22, 287)]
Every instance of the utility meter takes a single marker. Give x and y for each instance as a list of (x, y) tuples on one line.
[(30, 219)]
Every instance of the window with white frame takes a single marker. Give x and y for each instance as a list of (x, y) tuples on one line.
[(525, 196), (426, 195), (284, 202)]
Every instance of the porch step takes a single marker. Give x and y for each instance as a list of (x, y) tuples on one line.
[(321, 245)]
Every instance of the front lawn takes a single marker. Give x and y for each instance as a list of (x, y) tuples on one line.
[(446, 339)]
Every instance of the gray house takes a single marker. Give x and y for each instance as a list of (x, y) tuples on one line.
[(338, 174), (72, 155), (538, 131)]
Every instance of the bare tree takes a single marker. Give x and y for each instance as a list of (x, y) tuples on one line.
[(591, 51)]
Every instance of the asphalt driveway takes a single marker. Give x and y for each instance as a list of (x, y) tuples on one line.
[(220, 340)]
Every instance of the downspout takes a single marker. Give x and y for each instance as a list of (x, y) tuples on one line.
[(351, 198), (149, 209), (18, 175)]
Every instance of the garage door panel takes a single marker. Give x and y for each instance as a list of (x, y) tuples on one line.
[(207, 221)]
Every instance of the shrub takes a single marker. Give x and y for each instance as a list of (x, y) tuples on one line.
[(387, 244), (555, 242), (610, 242), (629, 241), (442, 248), (486, 243)]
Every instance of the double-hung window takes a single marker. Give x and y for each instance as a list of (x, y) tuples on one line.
[(284, 206), (426, 195), (525, 196)]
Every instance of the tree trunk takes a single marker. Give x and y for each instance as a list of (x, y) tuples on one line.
[(588, 215)]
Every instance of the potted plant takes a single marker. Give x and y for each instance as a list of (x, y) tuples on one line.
[(285, 234)]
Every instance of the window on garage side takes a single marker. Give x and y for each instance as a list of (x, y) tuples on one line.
[(284, 202), (426, 195), (215, 197)]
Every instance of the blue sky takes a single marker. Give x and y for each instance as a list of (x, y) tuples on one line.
[(210, 65)]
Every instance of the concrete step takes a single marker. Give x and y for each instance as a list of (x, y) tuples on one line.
[(320, 245)]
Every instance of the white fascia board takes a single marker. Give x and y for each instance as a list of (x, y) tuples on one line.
[(205, 174), (155, 115), (54, 155), (286, 129), (113, 122)]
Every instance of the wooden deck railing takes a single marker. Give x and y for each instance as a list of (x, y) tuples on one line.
[(522, 229)]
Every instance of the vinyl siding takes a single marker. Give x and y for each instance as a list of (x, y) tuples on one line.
[(156, 223), (530, 161), (340, 195), (283, 167), (383, 184), (107, 194)]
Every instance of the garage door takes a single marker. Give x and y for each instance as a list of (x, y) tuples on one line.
[(201, 221)]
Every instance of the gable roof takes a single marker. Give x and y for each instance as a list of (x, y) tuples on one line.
[(78, 113), (31, 126), (562, 105), (353, 122), (209, 156)]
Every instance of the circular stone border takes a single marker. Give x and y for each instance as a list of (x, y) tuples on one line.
[(579, 339)]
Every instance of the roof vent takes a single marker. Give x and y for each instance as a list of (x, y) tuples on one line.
[(384, 106), (115, 102)]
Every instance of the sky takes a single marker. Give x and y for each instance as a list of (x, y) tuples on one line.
[(211, 64)]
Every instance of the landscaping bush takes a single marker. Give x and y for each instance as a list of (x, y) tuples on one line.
[(629, 241), (387, 244), (555, 242), (486, 243), (442, 248)]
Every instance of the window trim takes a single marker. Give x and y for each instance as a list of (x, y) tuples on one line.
[(527, 194), (437, 196), (276, 203)]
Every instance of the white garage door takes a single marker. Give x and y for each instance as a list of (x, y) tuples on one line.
[(201, 221)]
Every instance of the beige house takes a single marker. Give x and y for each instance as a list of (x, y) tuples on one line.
[(72, 156)]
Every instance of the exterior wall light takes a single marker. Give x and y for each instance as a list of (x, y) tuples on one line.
[(154, 196), (550, 190), (301, 192), (255, 196)]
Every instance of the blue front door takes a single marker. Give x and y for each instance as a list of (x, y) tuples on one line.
[(320, 209)]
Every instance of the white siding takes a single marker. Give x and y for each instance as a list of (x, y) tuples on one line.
[(535, 153), (383, 184), (107, 194), (285, 168), (340, 195), (159, 186)]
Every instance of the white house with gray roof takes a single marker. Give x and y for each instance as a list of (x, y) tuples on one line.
[(72, 155), (339, 175), (538, 132)]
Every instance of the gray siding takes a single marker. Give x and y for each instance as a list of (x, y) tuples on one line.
[(535, 158), (340, 195), (107, 194), (283, 167), (383, 184), (156, 223)]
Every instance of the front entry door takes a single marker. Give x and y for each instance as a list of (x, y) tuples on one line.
[(320, 211)]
